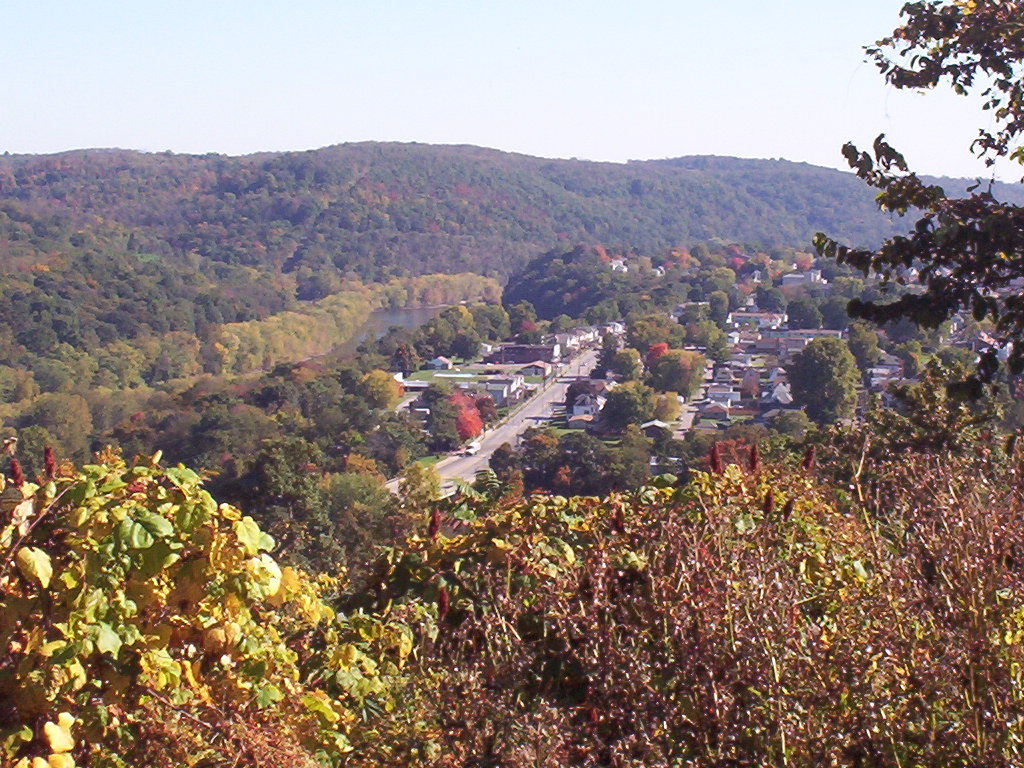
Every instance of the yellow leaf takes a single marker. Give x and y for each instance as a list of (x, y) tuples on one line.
[(34, 564), (38, 762), (58, 737), (61, 761), (348, 655), (22, 515)]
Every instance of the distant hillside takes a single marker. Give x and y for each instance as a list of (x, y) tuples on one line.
[(377, 210)]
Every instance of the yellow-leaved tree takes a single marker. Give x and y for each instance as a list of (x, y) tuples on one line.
[(142, 623)]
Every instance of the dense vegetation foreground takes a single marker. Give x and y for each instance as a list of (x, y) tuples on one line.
[(855, 608)]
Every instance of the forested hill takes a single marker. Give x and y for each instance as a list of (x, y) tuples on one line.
[(375, 210)]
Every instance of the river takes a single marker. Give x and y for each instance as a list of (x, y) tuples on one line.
[(380, 320)]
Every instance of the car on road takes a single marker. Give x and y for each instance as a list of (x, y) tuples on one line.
[(472, 449)]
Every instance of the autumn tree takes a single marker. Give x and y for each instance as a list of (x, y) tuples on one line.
[(679, 370), (967, 250)]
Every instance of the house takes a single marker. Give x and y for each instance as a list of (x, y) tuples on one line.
[(587, 334), (887, 370), (780, 394), (618, 265), (750, 384), (653, 428), (615, 329), (526, 353), (505, 390), (582, 421), (741, 318), (714, 410), (536, 368), (588, 404), (724, 393), (724, 375), (440, 364), (811, 276)]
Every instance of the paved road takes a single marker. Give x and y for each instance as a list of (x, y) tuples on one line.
[(687, 416), (536, 411)]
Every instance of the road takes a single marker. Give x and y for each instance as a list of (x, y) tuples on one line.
[(534, 412)]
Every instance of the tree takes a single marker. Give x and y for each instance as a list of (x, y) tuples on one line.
[(626, 364), (443, 425), (770, 299), (679, 370), (667, 407), (718, 306), (380, 389), (630, 460), (804, 313), (609, 346), (792, 424), (833, 313), (656, 351), (966, 249), (468, 423), (284, 492), (646, 330), (823, 377), (630, 403), (863, 343)]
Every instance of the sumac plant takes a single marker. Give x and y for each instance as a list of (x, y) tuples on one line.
[(703, 626), (142, 623)]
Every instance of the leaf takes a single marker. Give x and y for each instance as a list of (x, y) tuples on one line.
[(320, 706), (158, 526), (106, 639), (249, 535), (134, 535), (35, 564), (268, 694), (58, 737), (349, 653)]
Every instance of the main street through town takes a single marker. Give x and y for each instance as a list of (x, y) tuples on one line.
[(534, 412)]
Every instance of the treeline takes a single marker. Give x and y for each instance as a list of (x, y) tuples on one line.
[(306, 331), (372, 211)]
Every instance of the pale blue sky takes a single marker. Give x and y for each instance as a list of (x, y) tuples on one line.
[(599, 80)]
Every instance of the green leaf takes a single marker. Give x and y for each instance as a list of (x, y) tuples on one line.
[(250, 536), (134, 535), (106, 639), (35, 564), (155, 558), (268, 694), (158, 526), (191, 516)]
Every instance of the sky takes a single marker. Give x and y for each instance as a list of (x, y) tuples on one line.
[(597, 80)]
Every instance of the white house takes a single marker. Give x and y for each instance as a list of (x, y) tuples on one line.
[(588, 404), (505, 389), (440, 364), (811, 276), (536, 368), (780, 394), (724, 393)]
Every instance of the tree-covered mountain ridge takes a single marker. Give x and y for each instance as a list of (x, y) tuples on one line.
[(377, 210)]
